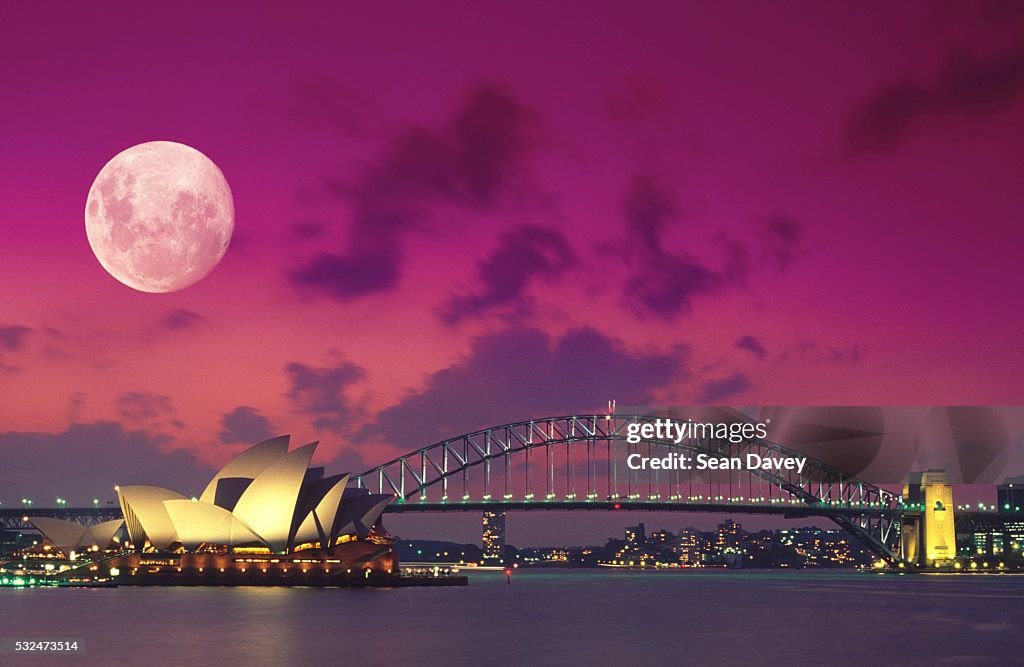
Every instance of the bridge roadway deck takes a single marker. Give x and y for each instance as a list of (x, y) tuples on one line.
[(12, 518), (626, 505)]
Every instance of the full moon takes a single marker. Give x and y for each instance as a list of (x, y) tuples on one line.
[(159, 216)]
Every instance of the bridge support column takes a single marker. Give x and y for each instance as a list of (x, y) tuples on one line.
[(929, 535), (493, 538)]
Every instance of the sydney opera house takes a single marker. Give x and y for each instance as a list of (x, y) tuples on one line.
[(265, 517)]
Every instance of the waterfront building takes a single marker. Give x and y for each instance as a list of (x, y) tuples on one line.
[(688, 546), (660, 538), (266, 517), (636, 535), (266, 499), (71, 537), (728, 535), (493, 538)]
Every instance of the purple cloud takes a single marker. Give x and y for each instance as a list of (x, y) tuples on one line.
[(101, 454), (13, 337), (471, 163), (966, 84), (715, 391), (180, 318), (244, 424), (781, 236), (140, 406), (810, 350), (526, 373), (665, 283), (752, 345), (661, 283), (309, 229), (320, 392), (523, 254)]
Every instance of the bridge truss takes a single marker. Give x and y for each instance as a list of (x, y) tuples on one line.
[(17, 519), (579, 462)]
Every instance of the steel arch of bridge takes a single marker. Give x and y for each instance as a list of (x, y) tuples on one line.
[(581, 459)]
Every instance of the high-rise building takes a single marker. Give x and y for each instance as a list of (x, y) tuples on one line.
[(494, 538), (689, 546), (1013, 537), (636, 535), (728, 535), (660, 538)]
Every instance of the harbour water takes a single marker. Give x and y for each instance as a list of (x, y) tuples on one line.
[(542, 617)]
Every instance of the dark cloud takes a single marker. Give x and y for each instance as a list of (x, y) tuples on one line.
[(841, 355), (718, 390), (470, 163), (523, 253), (245, 424), (966, 84), (752, 345), (649, 211), (738, 260), (664, 282), (661, 283), (781, 239), (309, 230), (13, 337), (835, 354), (667, 283), (87, 459), (139, 406), (179, 318), (526, 373), (320, 392)]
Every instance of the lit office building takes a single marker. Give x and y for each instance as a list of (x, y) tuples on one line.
[(636, 535), (494, 538), (728, 535), (688, 546)]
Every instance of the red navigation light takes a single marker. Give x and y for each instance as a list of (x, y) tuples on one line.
[(617, 506), (508, 572)]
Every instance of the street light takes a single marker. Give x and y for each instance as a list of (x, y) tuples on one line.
[(95, 502), (61, 501)]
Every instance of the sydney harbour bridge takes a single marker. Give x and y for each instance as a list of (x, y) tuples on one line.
[(578, 463)]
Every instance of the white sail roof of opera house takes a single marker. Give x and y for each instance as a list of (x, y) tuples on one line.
[(320, 522), (269, 503), (266, 496), (71, 536), (145, 514), (202, 523), (248, 464)]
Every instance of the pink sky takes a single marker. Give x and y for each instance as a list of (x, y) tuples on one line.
[(837, 184)]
